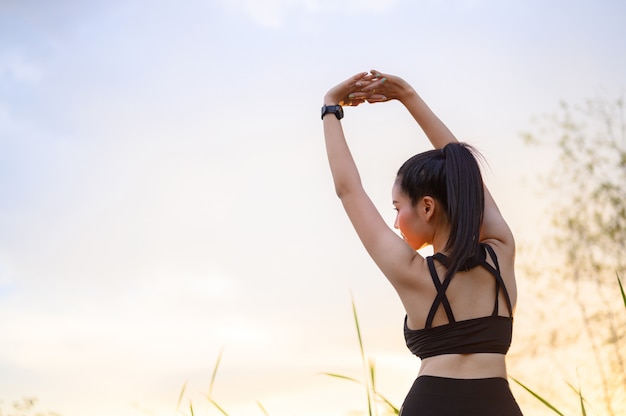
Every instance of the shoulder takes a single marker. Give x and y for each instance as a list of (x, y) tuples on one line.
[(504, 249), (505, 255), (411, 280)]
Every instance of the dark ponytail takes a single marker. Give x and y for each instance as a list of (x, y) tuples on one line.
[(466, 204), (452, 176)]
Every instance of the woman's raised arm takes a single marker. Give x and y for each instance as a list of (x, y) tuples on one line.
[(392, 255), (389, 87)]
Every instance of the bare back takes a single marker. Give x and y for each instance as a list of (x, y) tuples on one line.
[(468, 295)]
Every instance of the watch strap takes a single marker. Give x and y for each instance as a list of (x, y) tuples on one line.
[(337, 110)]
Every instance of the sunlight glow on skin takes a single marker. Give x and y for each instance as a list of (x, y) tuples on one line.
[(408, 221)]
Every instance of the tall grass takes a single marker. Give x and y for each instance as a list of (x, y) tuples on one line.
[(209, 395), (578, 391), (372, 395)]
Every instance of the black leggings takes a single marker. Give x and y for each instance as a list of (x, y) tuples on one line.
[(439, 396)]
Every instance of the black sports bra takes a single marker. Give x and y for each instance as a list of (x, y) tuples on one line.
[(487, 334)]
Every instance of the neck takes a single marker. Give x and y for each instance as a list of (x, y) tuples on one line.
[(440, 238)]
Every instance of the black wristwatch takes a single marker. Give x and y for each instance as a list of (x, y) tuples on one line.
[(337, 110)]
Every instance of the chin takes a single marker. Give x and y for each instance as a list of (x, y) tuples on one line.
[(424, 245), (416, 245)]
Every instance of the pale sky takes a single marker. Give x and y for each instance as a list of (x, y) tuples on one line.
[(166, 192)]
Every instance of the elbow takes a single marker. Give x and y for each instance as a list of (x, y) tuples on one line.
[(343, 190), (340, 191), (346, 182)]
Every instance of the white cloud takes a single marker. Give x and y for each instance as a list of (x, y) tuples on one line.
[(273, 13)]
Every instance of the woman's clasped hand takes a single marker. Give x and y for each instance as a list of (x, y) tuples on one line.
[(372, 87)]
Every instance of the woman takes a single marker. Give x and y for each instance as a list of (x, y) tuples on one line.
[(459, 302)]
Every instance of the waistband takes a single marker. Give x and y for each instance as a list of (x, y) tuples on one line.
[(464, 386)]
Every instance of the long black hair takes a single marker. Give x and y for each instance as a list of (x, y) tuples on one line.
[(450, 175)]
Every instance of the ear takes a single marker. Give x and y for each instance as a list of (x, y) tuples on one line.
[(428, 207)]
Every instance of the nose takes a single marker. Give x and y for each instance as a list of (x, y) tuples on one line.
[(395, 224)]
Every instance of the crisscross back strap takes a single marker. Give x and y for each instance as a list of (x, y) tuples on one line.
[(441, 298), (499, 281)]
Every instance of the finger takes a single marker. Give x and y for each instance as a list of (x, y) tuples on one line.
[(375, 84), (376, 73), (357, 77), (376, 98), (362, 83), (358, 95)]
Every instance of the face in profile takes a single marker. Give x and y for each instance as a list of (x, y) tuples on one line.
[(410, 219)]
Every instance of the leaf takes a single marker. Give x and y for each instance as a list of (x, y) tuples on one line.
[(343, 377), (217, 364), (538, 397), (372, 372), (621, 288), (180, 396), (262, 409), (217, 406), (393, 408), (580, 396), (370, 375), (358, 331)]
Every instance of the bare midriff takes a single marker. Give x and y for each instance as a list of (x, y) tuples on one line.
[(464, 366)]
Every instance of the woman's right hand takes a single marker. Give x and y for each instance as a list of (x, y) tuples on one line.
[(384, 87)]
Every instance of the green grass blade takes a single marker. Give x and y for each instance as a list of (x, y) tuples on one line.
[(217, 364), (218, 407), (373, 397), (582, 399), (363, 359), (393, 408), (538, 397), (621, 287), (191, 408), (379, 396), (262, 409), (180, 397), (372, 374), (354, 380), (358, 331), (372, 377)]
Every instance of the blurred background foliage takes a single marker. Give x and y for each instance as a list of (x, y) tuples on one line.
[(579, 325), (27, 406)]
